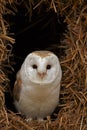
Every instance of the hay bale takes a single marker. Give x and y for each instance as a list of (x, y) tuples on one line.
[(73, 97)]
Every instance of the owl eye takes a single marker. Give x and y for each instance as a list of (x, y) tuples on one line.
[(34, 66), (48, 67)]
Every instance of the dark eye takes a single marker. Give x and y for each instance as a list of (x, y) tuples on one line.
[(48, 67), (34, 66)]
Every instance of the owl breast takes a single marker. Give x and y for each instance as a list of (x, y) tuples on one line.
[(38, 103)]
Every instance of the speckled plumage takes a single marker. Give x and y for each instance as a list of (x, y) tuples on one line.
[(37, 86)]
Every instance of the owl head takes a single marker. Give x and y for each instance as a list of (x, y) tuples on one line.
[(41, 67)]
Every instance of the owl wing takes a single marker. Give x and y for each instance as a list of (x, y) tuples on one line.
[(17, 87)]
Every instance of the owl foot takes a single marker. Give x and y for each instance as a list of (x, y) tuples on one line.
[(28, 119), (40, 119)]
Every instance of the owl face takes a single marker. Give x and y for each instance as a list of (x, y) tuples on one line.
[(42, 67)]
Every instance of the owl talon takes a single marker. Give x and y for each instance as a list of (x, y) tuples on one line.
[(40, 120), (28, 119)]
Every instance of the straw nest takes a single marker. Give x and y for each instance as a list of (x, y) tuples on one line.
[(72, 114)]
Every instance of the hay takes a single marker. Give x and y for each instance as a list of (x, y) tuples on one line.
[(73, 97)]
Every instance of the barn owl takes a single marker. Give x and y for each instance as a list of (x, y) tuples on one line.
[(37, 86)]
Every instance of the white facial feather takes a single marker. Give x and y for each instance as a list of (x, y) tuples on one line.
[(40, 76)]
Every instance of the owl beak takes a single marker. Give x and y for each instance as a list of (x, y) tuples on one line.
[(42, 74)]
